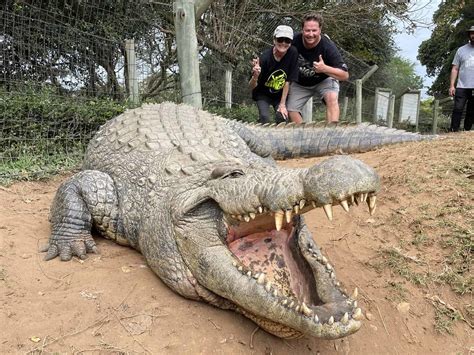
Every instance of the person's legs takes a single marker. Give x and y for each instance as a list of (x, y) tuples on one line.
[(298, 96), (460, 98), (329, 90), (469, 119), (263, 110)]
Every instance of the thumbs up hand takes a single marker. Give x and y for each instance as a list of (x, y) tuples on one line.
[(319, 67)]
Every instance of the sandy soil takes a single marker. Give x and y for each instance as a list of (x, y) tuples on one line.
[(113, 303)]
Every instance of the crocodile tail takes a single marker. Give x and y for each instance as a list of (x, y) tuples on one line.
[(315, 139)]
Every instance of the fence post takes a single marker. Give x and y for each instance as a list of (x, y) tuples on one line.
[(132, 71), (435, 117), (391, 110), (344, 108), (358, 105), (307, 111), (228, 87)]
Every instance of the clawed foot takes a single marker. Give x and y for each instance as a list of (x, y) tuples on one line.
[(66, 249)]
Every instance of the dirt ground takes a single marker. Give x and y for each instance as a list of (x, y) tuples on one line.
[(113, 303)]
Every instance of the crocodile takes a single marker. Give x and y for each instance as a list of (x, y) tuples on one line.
[(202, 198)]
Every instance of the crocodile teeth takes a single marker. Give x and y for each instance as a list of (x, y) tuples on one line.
[(278, 220), (345, 318), (297, 209), (260, 209), (324, 260), (302, 203), (306, 310), (288, 216), (355, 293), (354, 304), (275, 293), (328, 210), (246, 218), (261, 279), (252, 215), (313, 204), (240, 268), (331, 320), (357, 314), (372, 204), (316, 318), (284, 302), (345, 205), (268, 286), (249, 273), (352, 199), (363, 197), (297, 309)]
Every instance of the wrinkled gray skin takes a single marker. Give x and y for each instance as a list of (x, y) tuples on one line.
[(190, 191)]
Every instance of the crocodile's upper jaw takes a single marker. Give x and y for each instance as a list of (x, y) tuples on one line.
[(277, 278)]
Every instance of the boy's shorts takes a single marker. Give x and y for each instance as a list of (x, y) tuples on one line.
[(299, 95)]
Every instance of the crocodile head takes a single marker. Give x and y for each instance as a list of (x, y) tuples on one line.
[(246, 244)]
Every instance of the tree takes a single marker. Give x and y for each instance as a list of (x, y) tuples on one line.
[(452, 19)]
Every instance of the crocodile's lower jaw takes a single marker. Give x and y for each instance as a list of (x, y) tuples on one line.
[(295, 274)]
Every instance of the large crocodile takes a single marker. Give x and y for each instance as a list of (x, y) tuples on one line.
[(216, 219)]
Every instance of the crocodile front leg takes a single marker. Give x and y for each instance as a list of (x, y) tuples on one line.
[(87, 199)]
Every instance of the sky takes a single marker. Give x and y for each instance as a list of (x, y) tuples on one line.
[(409, 43)]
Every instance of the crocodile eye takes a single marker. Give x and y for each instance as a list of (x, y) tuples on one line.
[(233, 174), (226, 173)]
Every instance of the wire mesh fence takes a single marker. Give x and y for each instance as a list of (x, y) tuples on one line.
[(64, 68)]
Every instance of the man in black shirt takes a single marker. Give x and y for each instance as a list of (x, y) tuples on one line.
[(272, 73), (321, 67)]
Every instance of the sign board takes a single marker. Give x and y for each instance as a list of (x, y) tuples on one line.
[(409, 107), (381, 104)]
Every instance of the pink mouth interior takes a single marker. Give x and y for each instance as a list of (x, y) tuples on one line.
[(268, 251)]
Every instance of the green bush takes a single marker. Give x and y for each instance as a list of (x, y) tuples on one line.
[(46, 128)]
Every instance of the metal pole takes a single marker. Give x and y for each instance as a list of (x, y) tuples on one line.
[(132, 71), (358, 105)]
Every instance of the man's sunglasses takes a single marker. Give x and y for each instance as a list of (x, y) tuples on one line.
[(283, 39)]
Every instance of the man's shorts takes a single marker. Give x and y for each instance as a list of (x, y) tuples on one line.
[(299, 95)]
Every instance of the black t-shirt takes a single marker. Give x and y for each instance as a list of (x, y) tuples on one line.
[(275, 74), (331, 56)]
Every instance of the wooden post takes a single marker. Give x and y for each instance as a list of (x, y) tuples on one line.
[(344, 108), (228, 87), (307, 111), (358, 105), (132, 71), (391, 110), (434, 129), (186, 43)]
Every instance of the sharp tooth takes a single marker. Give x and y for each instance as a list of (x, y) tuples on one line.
[(355, 294), (252, 215), (328, 210), (354, 304), (316, 318), (249, 273), (278, 220), (345, 205), (302, 203), (285, 301), (240, 218), (324, 260), (333, 275), (306, 310), (292, 303), (234, 263), (372, 204), (345, 318), (240, 268), (246, 218), (331, 320), (328, 267), (357, 314), (297, 308), (260, 209), (268, 286), (288, 216), (275, 293), (313, 203), (356, 199), (297, 209), (261, 279), (363, 197), (352, 199)]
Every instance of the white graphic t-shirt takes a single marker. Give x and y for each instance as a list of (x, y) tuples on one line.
[(464, 60)]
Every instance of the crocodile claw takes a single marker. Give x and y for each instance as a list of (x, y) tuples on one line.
[(67, 249)]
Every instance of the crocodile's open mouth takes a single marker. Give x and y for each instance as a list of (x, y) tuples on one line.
[(276, 250)]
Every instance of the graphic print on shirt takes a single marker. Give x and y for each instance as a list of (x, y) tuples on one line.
[(276, 81), (306, 68)]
